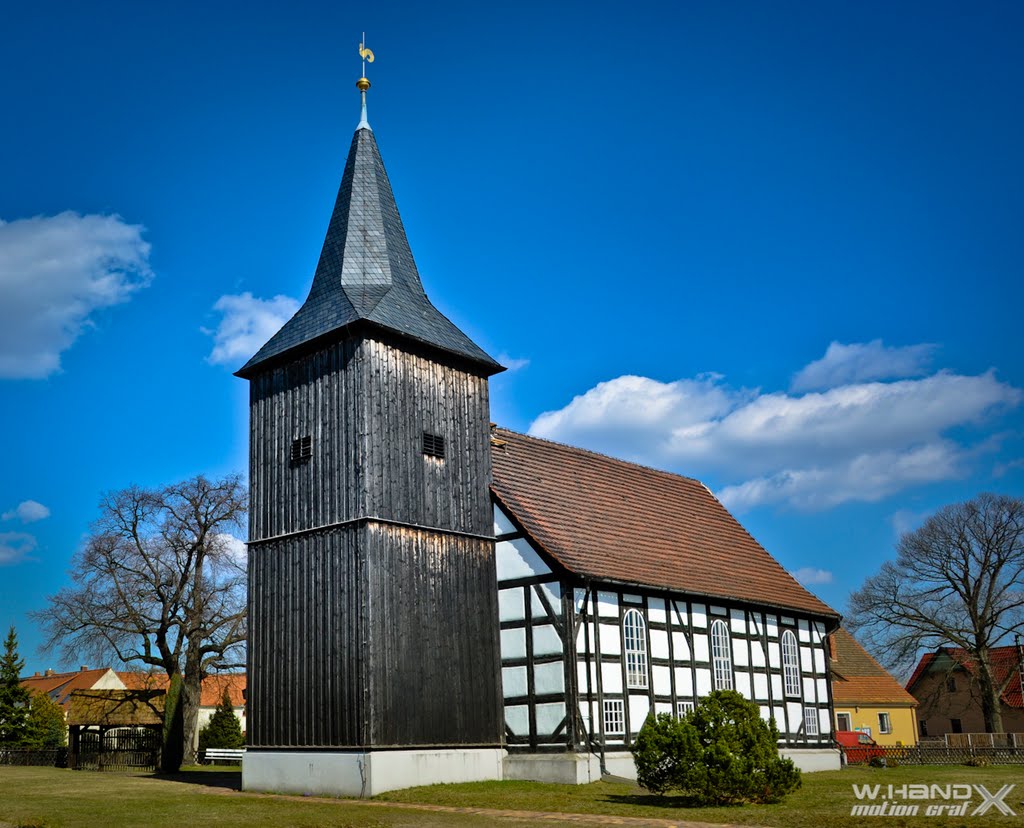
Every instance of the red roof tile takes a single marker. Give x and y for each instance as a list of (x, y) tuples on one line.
[(212, 692), (1006, 663), (858, 679), (609, 519), (61, 685)]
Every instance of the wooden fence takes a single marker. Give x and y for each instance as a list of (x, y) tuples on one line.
[(934, 754), (48, 757), (121, 749)]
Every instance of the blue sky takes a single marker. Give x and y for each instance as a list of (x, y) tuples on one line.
[(775, 246)]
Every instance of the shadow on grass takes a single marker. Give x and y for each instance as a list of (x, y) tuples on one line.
[(225, 778), (655, 801)]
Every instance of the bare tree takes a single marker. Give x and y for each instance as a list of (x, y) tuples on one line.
[(159, 581), (958, 580)]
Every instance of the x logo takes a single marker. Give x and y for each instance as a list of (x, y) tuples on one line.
[(993, 800)]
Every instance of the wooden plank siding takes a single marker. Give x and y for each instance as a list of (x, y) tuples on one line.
[(372, 591), (679, 662)]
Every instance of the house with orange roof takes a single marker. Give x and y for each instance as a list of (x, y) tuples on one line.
[(60, 686), (866, 697), (945, 687)]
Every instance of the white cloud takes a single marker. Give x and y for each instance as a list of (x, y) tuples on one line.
[(28, 511), (55, 272), (863, 362), (905, 520), (858, 442), (512, 364), (246, 325), (810, 575), (231, 546), (15, 547)]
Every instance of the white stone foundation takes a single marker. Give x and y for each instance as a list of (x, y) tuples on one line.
[(810, 760), (360, 774), (565, 768)]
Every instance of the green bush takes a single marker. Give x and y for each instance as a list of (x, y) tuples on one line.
[(722, 753)]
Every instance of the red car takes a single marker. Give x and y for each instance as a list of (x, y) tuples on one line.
[(858, 747)]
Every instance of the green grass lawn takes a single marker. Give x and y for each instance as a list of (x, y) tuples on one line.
[(51, 798)]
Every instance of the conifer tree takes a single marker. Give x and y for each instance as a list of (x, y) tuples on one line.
[(47, 724), (223, 729), (14, 699)]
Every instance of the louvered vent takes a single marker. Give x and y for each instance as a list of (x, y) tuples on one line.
[(433, 445), (302, 449)]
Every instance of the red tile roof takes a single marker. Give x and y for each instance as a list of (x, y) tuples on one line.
[(212, 692), (1006, 663), (605, 518), (858, 679), (61, 685)]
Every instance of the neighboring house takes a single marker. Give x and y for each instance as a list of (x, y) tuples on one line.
[(60, 686), (946, 690), (625, 590), (866, 697), (212, 692)]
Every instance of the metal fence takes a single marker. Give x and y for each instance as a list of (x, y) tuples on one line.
[(933, 754), (48, 757)]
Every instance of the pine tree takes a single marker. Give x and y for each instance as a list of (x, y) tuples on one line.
[(47, 724), (14, 699), (223, 729)]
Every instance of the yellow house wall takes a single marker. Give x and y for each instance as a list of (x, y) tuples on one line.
[(904, 724)]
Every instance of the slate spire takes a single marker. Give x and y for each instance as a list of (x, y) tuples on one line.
[(366, 274)]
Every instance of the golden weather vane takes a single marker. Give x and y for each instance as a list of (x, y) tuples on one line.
[(367, 57)]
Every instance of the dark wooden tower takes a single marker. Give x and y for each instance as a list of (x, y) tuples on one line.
[(372, 590)]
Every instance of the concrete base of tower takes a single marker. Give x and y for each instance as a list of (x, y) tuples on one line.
[(365, 773), (565, 768)]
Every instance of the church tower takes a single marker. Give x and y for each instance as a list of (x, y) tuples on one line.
[(373, 623)]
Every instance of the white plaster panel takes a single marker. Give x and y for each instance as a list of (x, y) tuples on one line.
[(766, 712), (742, 684), (551, 592), (662, 707), (809, 693), (549, 678), (806, 659), (639, 709), (822, 689), (549, 716), (760, 686), (610, 640), (517, 717), (513, 643), (579, 597), (700, 647), (513, 681), (738, 621), (684, 682), (679, 617), (776, 685), (659, 644), (510, 604), (656, 610), (502, 525), (795, 712), (703, 682), (586, 711), (517, 559), (581, 677), (740, 656), (662, 680), (611, 678), (774, 656), (780, 719), (700, 616), (819, 660), (680, 647), (546, 640), (756, 654), (585, 630), (824, 722), (804, 629), (607, 604), (756, 623), (771, 624), (817, 632)]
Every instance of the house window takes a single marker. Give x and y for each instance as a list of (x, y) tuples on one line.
[(614, 717), (811, 721), (956, 726), (634, 633), (843, 721), (682, 708), (884, 724), (791, 663), (302, 449), (951, 684), (721, 655), (433, 445)]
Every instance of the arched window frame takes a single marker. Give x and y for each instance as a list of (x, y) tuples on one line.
[(634, 649), (790, 664), (721, 655)]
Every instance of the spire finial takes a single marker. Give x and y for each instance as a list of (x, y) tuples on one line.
[(363, 84)]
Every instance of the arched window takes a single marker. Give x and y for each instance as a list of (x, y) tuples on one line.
[(790, 663), (721, 655), (634, 635)]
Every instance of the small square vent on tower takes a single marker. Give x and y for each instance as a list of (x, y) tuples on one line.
[(433, 445), (302, 449)]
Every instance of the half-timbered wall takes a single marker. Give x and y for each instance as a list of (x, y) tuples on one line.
[(372, 600), (667, 670)]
